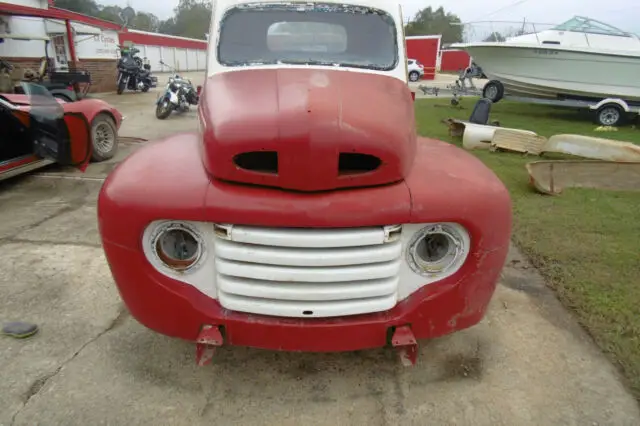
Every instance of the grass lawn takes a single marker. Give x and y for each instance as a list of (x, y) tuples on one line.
[(585, 242)]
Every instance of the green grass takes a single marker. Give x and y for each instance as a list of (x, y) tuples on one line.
[(585, 242)]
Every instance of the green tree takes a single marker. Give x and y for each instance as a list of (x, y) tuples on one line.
[(145, 22), (86, 7), (110, 13), (191, 19), (428, 22)]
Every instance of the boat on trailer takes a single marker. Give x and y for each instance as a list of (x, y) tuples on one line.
[(580, 63)]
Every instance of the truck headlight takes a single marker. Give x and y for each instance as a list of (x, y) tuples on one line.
[(438, 249), (177, 245)]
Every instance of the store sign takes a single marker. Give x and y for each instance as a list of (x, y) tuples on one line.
[(106, 45), (98, 46)]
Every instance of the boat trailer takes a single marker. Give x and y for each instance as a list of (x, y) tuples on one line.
[(463, 86)]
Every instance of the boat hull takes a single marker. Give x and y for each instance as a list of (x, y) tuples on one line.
[(551, 73)]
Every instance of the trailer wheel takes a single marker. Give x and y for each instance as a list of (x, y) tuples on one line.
[(493, 90), (610, 115)]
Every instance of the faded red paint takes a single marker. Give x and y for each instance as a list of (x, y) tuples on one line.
[(308, 117), (90, 108), (445, 184)]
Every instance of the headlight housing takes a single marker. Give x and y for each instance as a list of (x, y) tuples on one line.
[(177, 246), (438, 249)]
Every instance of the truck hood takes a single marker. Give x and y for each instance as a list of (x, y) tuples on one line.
[(307, 129)]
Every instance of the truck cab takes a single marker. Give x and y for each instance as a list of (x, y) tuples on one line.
[(305, 213), (363, 36)]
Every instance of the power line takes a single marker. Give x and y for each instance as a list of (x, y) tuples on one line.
[(515, 3)]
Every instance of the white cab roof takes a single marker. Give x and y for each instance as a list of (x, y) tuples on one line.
[(386, 5)]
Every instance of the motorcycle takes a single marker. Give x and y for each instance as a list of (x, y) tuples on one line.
[(134, 73), (179, 95)]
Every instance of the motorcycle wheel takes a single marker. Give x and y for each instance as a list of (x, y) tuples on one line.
[(121, 86), (145, 88), (163, 110)]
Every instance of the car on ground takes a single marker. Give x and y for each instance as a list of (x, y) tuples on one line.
[(416, 69), (36, 132)]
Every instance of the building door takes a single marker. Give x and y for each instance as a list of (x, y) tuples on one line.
[(60, 51)]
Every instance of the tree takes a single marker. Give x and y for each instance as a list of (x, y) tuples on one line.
[(428, 22), (191, 19), (145, 22), (86, 7), (110, 13), (495, 36)]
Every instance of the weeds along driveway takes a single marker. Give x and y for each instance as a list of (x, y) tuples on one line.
[(527, 363)]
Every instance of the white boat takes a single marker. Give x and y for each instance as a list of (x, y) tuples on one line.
[(581, 59)]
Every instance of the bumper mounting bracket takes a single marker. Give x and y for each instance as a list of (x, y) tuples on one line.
[(208, 340), (405, 343)]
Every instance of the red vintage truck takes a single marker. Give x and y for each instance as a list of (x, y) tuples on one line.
[(305, 214)]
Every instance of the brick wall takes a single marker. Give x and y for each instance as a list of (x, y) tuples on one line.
[(103, 71), (24, 63), (103, 74)]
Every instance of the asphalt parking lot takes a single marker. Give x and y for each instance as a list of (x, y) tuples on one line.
[(527, 363)]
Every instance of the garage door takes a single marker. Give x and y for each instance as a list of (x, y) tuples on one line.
[(202, 60), (181, 59), (153, 55), (167, 54), (192, 60)]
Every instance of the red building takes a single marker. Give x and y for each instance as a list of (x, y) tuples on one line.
[(425, 49), (454, 60)]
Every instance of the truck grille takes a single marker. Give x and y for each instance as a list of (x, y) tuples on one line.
[(307, 273)]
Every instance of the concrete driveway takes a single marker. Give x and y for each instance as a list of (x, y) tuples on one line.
[(527, 363)]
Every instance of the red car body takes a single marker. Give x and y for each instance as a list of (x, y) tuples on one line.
[(307, 195), (26, 162), (423, 181)]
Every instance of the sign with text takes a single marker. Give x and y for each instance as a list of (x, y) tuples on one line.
[(100, 46)]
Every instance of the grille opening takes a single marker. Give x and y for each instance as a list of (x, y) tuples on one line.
[(307, 313), (258, 161), (350, 163)]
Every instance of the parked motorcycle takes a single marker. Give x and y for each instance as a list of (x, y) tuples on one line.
[(179, 95), (134, 73)]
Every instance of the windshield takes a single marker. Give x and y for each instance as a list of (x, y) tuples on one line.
[(591, 26), (44, 107), (308, 33)]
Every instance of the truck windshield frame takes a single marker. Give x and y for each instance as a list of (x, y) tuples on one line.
[(364, 37)]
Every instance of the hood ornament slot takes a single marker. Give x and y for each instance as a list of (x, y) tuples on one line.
[(351, 163), (258, 161)]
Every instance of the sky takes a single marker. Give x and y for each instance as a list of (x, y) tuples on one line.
[(624, 14)]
